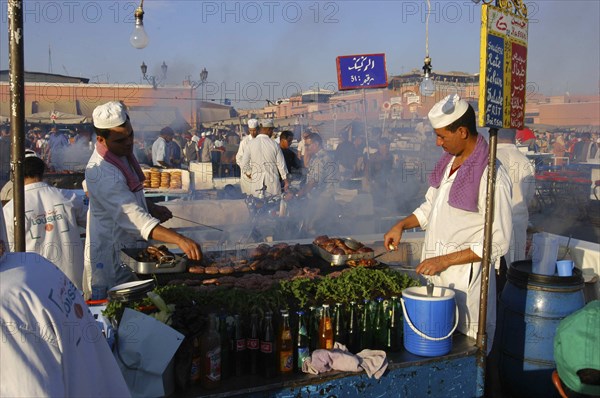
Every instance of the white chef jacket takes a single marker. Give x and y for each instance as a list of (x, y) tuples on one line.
[(117, 218), (448, 230), (51, 344), (52, 220), (159, 151), (245, 182), (522, 175), (264, 158)]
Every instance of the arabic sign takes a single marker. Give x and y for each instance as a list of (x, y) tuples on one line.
[(503, 68), (361, 71)]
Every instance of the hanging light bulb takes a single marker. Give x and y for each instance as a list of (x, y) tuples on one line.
[(427, 86), (139, 38)]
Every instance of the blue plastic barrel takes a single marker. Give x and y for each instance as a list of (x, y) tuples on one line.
[(429, 321), (529, 310)]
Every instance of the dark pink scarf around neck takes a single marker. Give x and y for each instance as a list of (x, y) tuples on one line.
[(464, 193), (134, 181)]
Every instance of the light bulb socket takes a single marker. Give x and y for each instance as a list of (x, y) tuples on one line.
[(427, 66), (139, 15)]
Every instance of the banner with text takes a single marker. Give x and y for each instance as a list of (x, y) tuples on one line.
[(503, 68), (361, 71)]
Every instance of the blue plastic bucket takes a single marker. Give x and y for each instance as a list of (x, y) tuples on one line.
[(530, 309), (429, 321)]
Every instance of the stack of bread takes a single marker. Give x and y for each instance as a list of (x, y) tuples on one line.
[(165, 180), (155, 178), (147, 179), (175, 180)]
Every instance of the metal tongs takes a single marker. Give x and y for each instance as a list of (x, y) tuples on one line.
[(166, 261)]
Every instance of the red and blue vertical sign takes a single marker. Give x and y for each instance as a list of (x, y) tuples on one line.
[(503, 69)]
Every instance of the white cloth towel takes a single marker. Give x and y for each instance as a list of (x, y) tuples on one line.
[(373, 362)]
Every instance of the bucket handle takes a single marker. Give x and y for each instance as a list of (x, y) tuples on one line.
[(421, 334)]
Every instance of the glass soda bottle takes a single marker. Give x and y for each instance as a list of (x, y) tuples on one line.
[(326, 329), (268, 357), (392, 335), (286, 346), (339, 330), (365, 336), (239, 348), (302, 344), (253, 345), (195, 371), (225, 335), (313, 333), (381, 327), (353, 332), (210, 349)]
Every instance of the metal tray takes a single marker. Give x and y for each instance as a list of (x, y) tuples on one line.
[(339, 259), (128, 257)]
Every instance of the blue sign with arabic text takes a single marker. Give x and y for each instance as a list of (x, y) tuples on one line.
[(361, 71)]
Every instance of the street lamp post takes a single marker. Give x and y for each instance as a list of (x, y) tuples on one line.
[(153, 80), (194, 85)]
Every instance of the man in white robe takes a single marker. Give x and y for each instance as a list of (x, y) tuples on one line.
[(264, 164), (454, 219), (245, 182), (119, 215), (51, 344), (522, 176)]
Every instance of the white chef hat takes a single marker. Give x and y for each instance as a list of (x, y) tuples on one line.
[(267, 123), (109, 115), (447, 111), (252, 123), (30, 154)]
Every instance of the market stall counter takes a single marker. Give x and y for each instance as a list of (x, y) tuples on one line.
[(331, 289), (407, 375)]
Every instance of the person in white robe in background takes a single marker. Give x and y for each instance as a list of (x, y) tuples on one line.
[(245, 182), (53, 218), (522, 176), (264, 163)]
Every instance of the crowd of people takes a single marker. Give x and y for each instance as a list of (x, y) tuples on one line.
[(567, 147)]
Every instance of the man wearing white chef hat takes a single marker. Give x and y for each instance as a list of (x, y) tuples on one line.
[(119, 215), (453, 214), (245, 182), (264, 164)]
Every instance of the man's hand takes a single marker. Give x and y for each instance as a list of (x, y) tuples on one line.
[(432, 266), (392, 238), (189, 247), (161, 212)]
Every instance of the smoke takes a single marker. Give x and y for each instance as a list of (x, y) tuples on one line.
[(364, 204)]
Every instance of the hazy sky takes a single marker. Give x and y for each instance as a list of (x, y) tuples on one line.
[(268, 49)]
